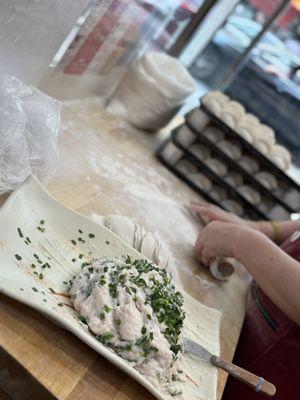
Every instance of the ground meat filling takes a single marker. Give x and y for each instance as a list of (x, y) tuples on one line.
[(133, 308)]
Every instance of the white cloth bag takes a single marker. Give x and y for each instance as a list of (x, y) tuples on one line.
[(151, 91)]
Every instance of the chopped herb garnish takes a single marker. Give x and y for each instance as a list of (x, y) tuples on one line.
[(81, 240), (73, 241), (42, 221), (36, 256), (73, 259), (28, 240), (40, 261), (80, 256), (113, 290), (60, 304), (107, 242), (106, 308), (18, 257), (44, 266), (65, 283), (106, 337), (22, 289), (35, 272), (149, 316), (34, 289), (118, 322), (82, 319), (80, 231), (41, 229), (102, 315), (143, 330), (41, 276), (84, 264), (20, 233), (45, 300), (91, 235), (51, 290)]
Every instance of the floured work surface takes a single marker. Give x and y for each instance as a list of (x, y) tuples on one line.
[(108, 168)]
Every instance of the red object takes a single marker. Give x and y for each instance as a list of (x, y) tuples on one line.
[(96, 38), (269, 344)]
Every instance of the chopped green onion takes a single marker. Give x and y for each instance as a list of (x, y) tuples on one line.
[(20, 233)]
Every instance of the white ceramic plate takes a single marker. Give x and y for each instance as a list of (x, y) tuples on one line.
[(25, 209)]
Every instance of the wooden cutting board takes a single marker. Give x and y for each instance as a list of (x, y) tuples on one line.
[(106, 167)]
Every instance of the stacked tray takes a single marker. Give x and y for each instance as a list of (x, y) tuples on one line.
[(227, 170)]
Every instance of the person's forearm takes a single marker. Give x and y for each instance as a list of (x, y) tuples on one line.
[(285, 229), (275, 272)]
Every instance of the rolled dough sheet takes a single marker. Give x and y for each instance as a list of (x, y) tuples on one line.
[(24, 209), (202, 325)]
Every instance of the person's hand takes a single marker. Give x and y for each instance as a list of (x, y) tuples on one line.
[(209, 212), (219, 239)]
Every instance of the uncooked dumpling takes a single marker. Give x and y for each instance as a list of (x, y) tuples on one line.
[(135, 235), (249, 164), (232, 206), (234, 179), (250, 118), (245, 130), (267, 180), (230, 149), (229, 118), (217, 166), (218, 193), (265, 206), (186, 167), (292, 198), (121, 226), (232, 113), (171, 153), (262, 147), (281, 157), (213, 134), (185, 136), (198, 119), (249, 194), (148, 245), (200, 151), (201, 181), (215, 102), (279, 213)]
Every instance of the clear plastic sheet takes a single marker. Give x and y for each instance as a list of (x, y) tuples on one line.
[(29, 128)]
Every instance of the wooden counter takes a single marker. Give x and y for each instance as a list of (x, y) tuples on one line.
[(106, 167)]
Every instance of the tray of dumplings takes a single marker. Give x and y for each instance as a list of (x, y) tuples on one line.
[(232, 160)]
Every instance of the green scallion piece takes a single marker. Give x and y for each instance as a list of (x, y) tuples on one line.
[(20, 233)]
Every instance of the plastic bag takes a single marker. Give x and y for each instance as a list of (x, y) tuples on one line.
[(151, 91), (29, 128)]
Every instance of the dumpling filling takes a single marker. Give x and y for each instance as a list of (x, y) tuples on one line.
[(133, 308)]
